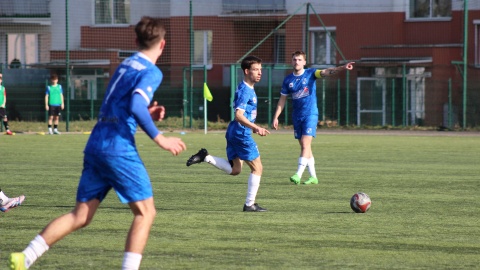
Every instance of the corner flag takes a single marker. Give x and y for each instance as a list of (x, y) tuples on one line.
[(206, 92)]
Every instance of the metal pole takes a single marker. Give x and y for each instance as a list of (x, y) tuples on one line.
[(270, 102), (91, 99), (347, 97), (307, 26), (338, 102), (191, 63), (323, 99), (233, 87), (205, 120), (465, 52), (67, 66), (404, 93), (393, 102), (450, 103)]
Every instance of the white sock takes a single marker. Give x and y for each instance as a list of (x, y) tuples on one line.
[(131, 261), (253, 185), (302, 164), (311, 167), (3, 198), (34, 250), (219, 163)]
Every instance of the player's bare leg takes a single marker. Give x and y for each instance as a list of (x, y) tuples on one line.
[(144, 214), (78, 218), (256, 168), (60, 227)]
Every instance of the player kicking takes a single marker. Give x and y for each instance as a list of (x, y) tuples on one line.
[(301, 86), (111, 158), (240, 144)]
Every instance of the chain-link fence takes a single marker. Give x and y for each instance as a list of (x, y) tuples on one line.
[(406, 73)]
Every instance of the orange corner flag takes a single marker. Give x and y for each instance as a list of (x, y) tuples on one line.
[(206, 92)]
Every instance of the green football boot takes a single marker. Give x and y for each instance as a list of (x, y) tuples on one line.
[(295, 179), (311, 181)]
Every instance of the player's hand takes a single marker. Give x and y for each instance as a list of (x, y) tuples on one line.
[(46, 107), (275, 124), (349, 65), (262, 131), (173, 145), (157, 112)]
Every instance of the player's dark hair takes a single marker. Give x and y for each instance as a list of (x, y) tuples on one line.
[(149, 32), (54, 77), (298, 53), (248, 61)]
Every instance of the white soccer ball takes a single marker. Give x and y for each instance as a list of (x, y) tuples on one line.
[(360, 202)]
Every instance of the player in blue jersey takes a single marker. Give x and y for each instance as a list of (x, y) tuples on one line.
[(301, 86), (111, 159), (240, 144)]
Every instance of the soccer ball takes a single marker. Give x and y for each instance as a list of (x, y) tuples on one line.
[(360, 202)]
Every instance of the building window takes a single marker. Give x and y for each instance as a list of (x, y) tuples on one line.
[(22, 49), (202, 54), (323, 51), (424, 9), (477, 42), (112, 11), (279, 47)]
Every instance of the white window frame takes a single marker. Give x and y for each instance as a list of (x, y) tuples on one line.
[(329, 44), (476, 24), (431, 17), (203, 48), (24, 47), (112, 14), (279, 54)]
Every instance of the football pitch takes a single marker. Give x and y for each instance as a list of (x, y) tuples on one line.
[(424, 188)]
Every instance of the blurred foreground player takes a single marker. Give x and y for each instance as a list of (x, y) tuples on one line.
[(111, 159)]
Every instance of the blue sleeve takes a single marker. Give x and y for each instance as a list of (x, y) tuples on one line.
[(139, 109)]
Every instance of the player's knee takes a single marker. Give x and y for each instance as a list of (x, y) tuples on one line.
[(235, 172)]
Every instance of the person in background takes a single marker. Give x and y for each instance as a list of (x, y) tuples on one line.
[(3, 103), (54, 103)]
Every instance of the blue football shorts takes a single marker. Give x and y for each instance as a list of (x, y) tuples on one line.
[(305, 126), (244, 148), (127, 175)]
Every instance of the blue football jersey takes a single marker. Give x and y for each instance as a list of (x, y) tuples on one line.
[(245, 99), (302, 88), (114, 132)]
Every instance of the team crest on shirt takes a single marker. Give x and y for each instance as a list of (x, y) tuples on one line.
[(149, 89), (254, 100), (290, 85)]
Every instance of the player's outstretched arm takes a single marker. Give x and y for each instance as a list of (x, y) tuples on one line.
[(173, 145), (334, 70)]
